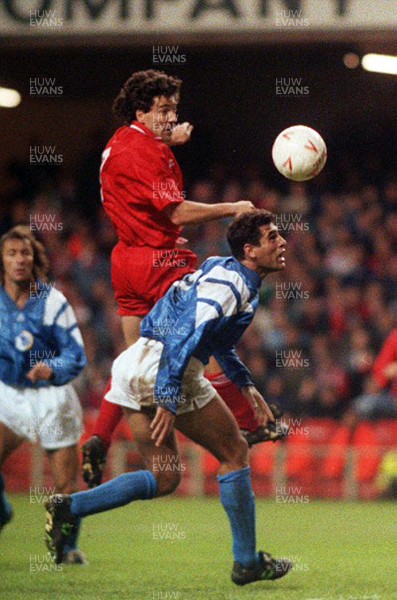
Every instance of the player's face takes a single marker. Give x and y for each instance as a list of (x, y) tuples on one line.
[(162, 117), (17, 261), (269, 255)]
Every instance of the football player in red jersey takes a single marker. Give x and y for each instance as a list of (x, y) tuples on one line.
[(142, 193)]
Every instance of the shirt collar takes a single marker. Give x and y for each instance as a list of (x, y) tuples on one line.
[(143, 129), (250, 274)]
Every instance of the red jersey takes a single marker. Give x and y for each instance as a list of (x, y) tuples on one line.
[(387, 355), (140, 177)]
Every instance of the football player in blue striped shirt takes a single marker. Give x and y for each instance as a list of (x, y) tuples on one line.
[(160, 382), (41, 352)]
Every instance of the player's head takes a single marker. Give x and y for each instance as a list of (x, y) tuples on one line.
[(23, 258), (256, 242), (151, 97)]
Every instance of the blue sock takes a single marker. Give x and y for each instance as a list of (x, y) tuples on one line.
[(5, 506), (238, 501), (140, 485)]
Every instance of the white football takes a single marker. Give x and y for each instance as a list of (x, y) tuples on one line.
[(299, 153)]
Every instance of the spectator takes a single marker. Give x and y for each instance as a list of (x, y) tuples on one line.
[(342, 246)]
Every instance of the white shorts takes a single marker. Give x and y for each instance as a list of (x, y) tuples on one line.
[(134, 375), (51, 415)]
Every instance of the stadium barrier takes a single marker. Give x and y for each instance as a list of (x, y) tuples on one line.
[(321, 460)]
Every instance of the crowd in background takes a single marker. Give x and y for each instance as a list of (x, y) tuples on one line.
[(320, 323)]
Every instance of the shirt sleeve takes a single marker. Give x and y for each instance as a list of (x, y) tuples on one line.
[(233, 367), (71, 358)]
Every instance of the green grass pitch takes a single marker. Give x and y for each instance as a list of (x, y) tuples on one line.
[(178, 548)]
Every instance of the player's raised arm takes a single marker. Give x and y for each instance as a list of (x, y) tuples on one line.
[(187, 212)]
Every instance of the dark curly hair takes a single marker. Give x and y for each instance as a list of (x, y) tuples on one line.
[(140, 90), (40, 259), (246, 230)]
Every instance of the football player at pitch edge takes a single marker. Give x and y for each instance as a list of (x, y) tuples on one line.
[(41, 352)]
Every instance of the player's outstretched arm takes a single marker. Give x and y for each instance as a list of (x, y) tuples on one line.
[(188, 213)]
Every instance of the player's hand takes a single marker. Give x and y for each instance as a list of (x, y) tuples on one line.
[(181, 134), (162, 426), (262, 412), (242, 207), (40, 371)]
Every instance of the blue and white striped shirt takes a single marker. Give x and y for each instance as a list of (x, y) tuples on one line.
[(202, 315)]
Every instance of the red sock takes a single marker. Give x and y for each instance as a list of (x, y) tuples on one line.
[(231, 395), (109, 417)]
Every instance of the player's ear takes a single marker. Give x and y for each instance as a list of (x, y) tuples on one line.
[(249, 251), (140, 115)]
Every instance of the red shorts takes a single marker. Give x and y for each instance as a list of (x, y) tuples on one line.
[(142, 275)]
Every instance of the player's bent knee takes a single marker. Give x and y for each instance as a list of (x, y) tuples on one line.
[(167, 482)]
